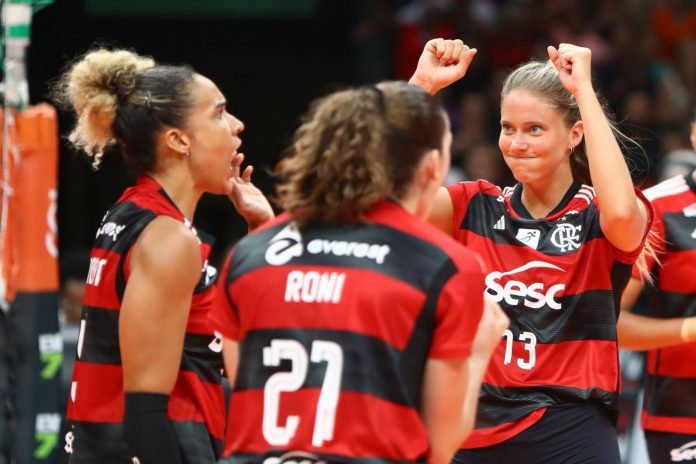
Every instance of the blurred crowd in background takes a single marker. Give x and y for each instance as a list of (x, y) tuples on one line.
[(643, 58)]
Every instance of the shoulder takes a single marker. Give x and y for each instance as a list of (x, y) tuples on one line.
[(470, 188), (667, 189), (167, 248)]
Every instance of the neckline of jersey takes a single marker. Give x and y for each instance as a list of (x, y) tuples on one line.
[(521, 210)]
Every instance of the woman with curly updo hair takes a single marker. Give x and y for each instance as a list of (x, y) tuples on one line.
[(349, 322), (146, 383)]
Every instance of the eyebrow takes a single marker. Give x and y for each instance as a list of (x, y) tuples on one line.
[(220, 103)]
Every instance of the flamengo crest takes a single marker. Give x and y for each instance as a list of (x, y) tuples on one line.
[(566, 237)]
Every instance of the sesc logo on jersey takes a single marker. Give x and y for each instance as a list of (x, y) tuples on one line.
[(514, 292)]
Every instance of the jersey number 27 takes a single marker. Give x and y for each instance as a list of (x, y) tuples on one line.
[(290, 381)]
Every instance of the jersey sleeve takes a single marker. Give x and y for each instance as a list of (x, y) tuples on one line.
[(461, 195), (224, 315), (458, 311)]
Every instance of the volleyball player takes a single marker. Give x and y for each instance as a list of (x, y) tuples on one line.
[(349, 322), (146, 382), (558, 248), (669, 331)]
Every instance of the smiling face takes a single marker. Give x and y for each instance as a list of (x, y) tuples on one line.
[(534, 138), (214, 138)]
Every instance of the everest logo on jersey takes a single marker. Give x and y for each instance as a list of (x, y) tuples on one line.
[(686, 452), (288, 244), (515, 292), (529, 237), (295, 457), (284, 246)]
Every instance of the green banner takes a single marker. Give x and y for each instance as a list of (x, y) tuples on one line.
[(202, 8)]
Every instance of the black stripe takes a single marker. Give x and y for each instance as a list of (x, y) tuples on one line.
[(410, 259), (100, 343), (200, 359), (101, 442), (97, 442), (672, 304), (308, 458), (500, 405), (484, 211), (101, 346), (585, 316), (195, 442), (415, 354), (678, 230), (370, 365), (671, 396)]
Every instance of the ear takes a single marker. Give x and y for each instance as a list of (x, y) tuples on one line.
[(576, 133), (431, 165), (177, 140)]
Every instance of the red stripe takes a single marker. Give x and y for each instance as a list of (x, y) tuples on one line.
[(494, 435), (99, 397), (682, 425), (678, 273), (194, 400), (100, 290), (358, 310), (577, 364), (364, 426), (674, 361), (98, 394)]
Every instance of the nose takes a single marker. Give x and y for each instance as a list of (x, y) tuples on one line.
[(236, 125), (518, 142)]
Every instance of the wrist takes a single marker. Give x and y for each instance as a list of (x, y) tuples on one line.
[(688, 330), (584, 91), (427, 86)]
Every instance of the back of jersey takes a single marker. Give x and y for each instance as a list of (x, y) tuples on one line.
[(335, 325)]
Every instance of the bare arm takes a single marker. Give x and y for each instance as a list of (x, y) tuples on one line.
[(442, 212), (636, 332), (164, 268), (624, 217), (451, 388), (230, 353)]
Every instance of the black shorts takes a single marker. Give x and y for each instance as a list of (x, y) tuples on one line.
[(664, 447), (569, 434)]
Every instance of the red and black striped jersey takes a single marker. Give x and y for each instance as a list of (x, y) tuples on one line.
[(96, 403), (559, 280), (670, 389), (335, 325)]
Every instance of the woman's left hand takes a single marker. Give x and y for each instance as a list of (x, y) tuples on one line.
[(249, 201), (574, 66)]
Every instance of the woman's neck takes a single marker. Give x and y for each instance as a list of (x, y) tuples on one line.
[(180, 190), (540, 198)]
